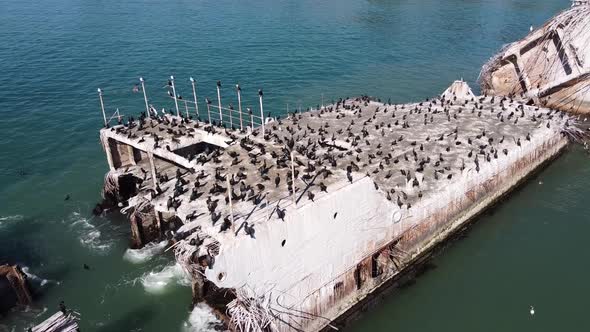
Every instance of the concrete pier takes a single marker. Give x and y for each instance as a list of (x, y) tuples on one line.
[(288, 227)]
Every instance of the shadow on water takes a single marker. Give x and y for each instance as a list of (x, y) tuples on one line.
[(130, 321), (19, 240)]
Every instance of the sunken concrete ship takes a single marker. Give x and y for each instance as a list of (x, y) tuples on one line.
[(550, 66), (293, 223)]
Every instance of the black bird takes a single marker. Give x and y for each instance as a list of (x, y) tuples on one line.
[(225, 225), (281, 213), (211, 204), (277, 181), (215, 217), (62, 307), (86, 267), (310, 195), (249, 230), (323, 187), (195, 194)]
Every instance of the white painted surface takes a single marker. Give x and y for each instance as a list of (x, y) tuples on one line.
[(318, 246)]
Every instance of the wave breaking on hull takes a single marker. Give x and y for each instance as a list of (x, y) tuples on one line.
[(158, 282), (138, 256), (36, 279), (202, 319)]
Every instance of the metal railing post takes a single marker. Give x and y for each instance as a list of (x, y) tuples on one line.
[(104, 116), (195, 95), (174, 92), (239, 90), (147, 108), (231, 210), (261, 110), (219, 102), (208, 102), (231, 112)]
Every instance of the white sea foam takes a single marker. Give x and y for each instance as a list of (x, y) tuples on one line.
[(41, 312), (6, 220), (138, 256), (201, 319), (36, 279), (89, 234), (157, 282)]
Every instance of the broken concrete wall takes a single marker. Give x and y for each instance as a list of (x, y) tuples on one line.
[(551, 64)]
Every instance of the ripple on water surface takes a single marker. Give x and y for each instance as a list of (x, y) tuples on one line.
[(89, 234)]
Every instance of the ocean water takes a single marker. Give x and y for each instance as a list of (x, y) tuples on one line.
[(528, 251)]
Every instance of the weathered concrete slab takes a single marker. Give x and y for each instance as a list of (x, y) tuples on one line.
[(375, 185)]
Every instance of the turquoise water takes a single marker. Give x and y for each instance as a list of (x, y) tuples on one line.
[(55, 53)]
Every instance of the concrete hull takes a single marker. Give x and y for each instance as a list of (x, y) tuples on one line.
[(433, 230), (335, 243)]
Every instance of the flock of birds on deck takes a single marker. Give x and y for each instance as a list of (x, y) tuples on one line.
[(405, 149)]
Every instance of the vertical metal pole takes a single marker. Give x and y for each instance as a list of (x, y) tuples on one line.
[(186, 108), (147, 108), (293, 178), (322, 101), (231, 122), (208, 102), (104, 116), (219, 102), (174, 92), (195, 95), (240, 105), (231, 210), (261, 110), (251, 119)]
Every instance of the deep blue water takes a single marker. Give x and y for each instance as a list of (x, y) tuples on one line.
[(54, 54)]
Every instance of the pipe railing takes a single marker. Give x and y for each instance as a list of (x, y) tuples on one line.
[(227, 116)]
